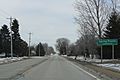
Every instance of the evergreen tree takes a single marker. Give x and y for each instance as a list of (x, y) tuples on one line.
[(5, 39), (112, 32), (20, 47), (113, 27), (40, 50), (15, 29), (15, 37), (0, 42)]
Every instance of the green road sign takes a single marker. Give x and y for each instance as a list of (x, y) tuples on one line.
[(107, 42)]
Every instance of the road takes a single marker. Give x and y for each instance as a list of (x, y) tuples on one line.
[(9, 71), (56, 68)]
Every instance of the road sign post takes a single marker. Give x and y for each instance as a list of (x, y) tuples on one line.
[(104, 42), (113, 52), (101, 54)]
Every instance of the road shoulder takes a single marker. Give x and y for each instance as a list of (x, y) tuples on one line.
[(98, 71)]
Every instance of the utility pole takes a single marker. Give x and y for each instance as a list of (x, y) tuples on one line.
[(29, 43), (39, 49), (11, 36)]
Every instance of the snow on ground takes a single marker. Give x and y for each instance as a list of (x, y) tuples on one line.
[(111, 66), (37, 56), (107, 65), (98, 60), (82, 58), (7, 60)]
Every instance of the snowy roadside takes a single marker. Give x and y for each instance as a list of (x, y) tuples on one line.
[(94, 66), (110, 66), (38, 57), (9, 60), (107, 63), (15, 59), (82, 58)]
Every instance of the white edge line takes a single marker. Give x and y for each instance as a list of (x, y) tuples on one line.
[(84, 71)]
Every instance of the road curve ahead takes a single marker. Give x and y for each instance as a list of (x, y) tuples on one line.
[(56, 68)]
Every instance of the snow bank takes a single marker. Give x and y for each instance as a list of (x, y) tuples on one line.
[(7, 60), (98, 60), (37, 57), (82, 58), (110, 65)]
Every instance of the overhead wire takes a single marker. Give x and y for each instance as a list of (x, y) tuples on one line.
[(3, 11), (3, 17)]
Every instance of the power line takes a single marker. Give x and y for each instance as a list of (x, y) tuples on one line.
[(4, 14), (7, 14), (2, 17)]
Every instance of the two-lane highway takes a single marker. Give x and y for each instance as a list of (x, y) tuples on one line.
[(56, 68)]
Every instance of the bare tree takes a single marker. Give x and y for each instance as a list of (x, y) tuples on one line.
[(92, 13), (115, 5), (86, 45), (71, 50), (62, 45), (51, 50)]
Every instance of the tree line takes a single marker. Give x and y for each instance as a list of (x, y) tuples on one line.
[(20, 46), (42, 49)]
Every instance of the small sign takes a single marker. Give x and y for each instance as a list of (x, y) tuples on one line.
[(107, 42)]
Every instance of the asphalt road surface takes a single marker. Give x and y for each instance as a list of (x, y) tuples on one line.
[(9, 71), (56, 68)]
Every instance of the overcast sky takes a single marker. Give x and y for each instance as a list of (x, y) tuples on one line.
[(48, 20)]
